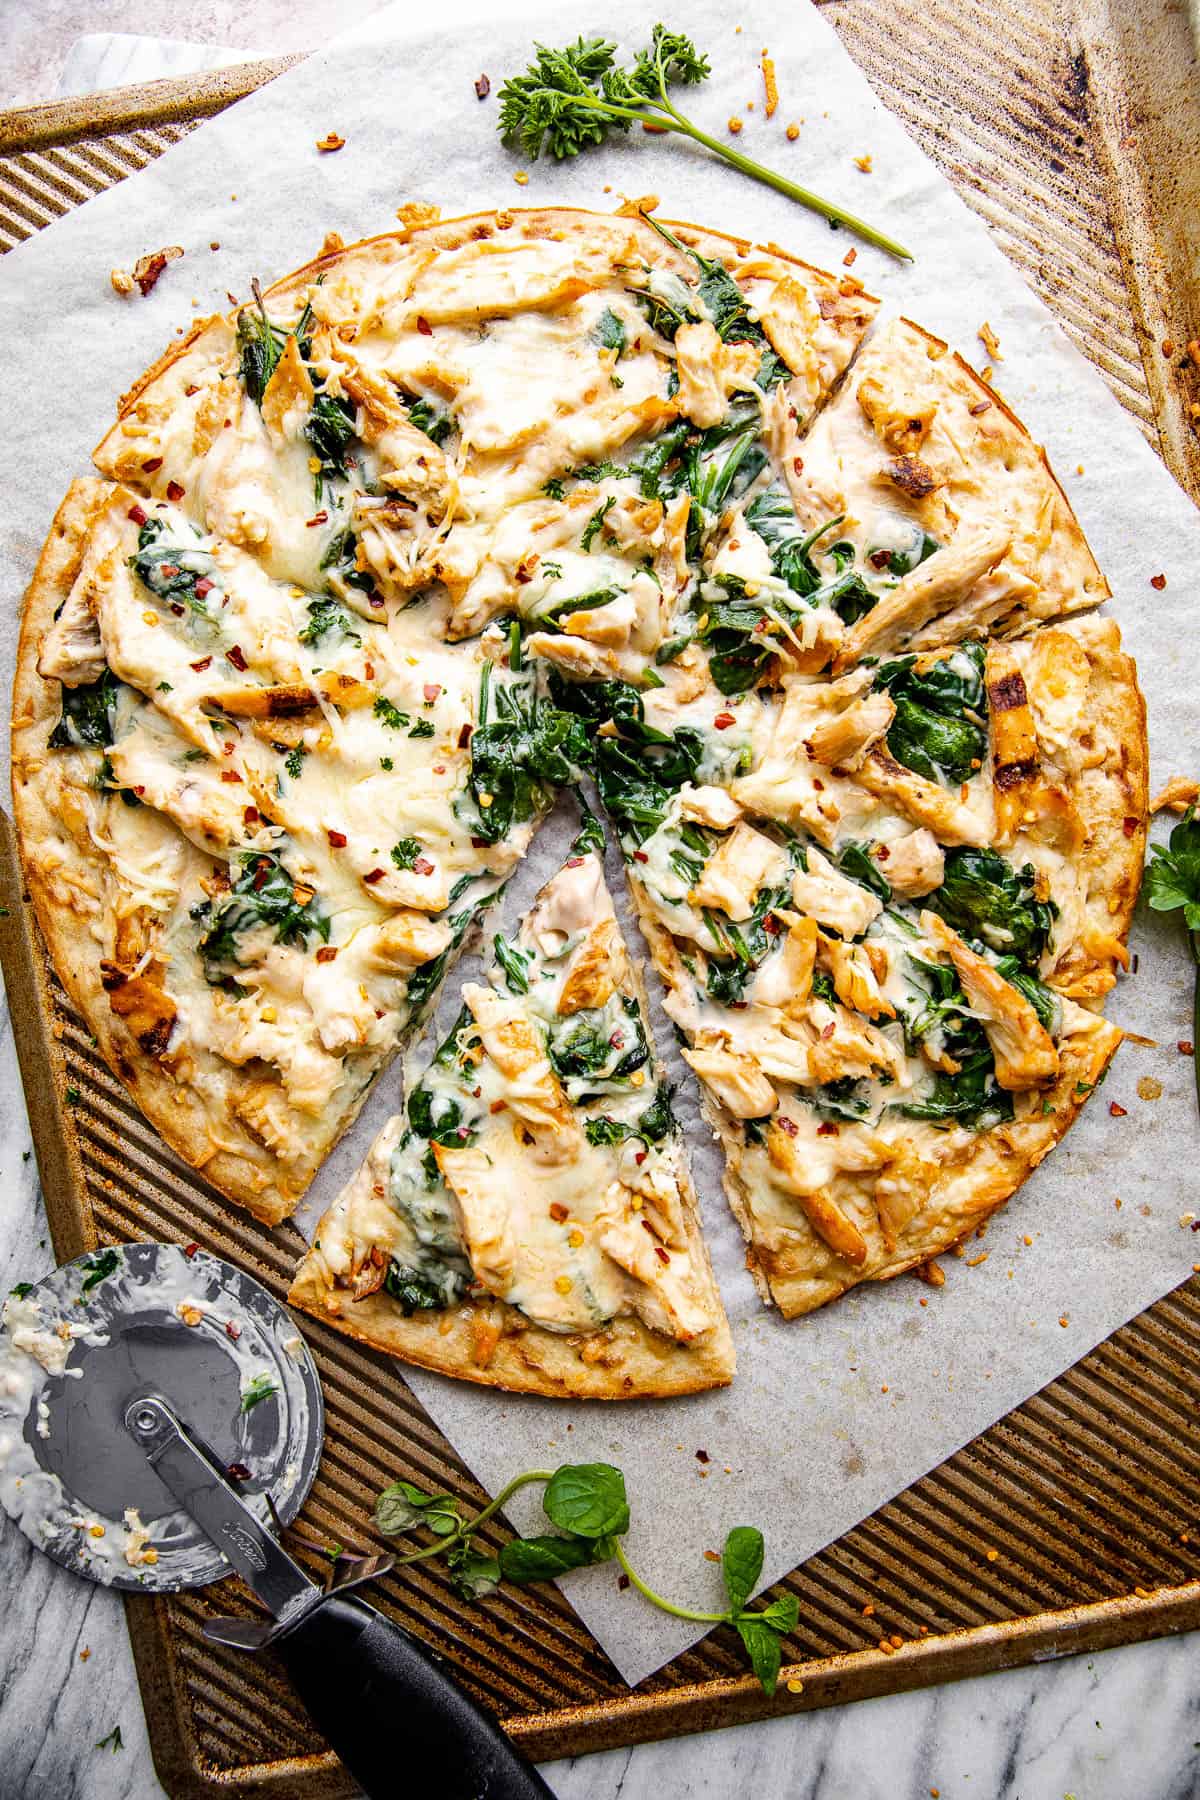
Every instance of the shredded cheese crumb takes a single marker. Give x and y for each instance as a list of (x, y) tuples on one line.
[(770, 84)]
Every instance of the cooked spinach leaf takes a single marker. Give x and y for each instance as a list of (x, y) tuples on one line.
[(262, 897), (523, 747), (326, 616), (940, 727), (609, 332), (984, 897), (428, 418), (88, 718), (515, 963)]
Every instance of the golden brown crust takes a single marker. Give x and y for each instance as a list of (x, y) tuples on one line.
[(626, 1362)]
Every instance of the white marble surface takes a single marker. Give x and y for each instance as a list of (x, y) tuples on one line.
[(1122, 1726)]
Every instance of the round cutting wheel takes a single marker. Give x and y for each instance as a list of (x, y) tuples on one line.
[(130, 1321)]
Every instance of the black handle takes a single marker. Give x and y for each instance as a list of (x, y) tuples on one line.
[(392, 1715)]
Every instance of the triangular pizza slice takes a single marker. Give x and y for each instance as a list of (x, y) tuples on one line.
[(529, 1221)]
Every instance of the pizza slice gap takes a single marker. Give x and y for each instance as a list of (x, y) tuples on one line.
[(887, 943), (529, 1221)]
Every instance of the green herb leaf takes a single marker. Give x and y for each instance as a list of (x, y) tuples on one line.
[(405, 853), (389, 714), (595, 522), (742, 1564), (515, 964), (543, 1558), (259, 1388), (984, 897), (587, 1499), (402, 1506), (609, 332), (763, 1647), (1173, 872), (474, 1574), (99, 1269), (22, 1288), (113, 1741)]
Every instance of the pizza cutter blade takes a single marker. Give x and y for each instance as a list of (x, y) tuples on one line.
[(155, 1407)]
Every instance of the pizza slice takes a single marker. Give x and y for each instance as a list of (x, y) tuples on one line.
[(887, 941), (529, 1222), (256, 826)]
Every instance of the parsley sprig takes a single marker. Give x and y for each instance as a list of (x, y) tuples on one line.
[(588, 1505), (1172, 885), (571, 99)]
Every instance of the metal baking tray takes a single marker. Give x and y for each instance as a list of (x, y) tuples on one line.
[(1064, 1528)]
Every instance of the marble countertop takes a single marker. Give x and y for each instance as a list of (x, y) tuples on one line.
[(1120, 1726)]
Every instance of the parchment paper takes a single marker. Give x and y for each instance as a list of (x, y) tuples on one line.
[(832, 1415)]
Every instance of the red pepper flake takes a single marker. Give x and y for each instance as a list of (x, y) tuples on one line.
[(178, 611), (439, 768), (250, 815), (140, 792), (327, 953), (238, 1472), (1117, 1111), (573, 862), (319, 518), (431, 690), (788, 1125), (373, 876), (617, 1040), (191, 389), (1129, 827), (798, 465), (771, 925), (558, 1212), (639, 1157), (231, 775), (235, 655), (829, 1030), (262, 874), (724, 720), (175, 490), (478, 843), (424, 327), (233, 1330), (1159, 582), (879, 559), (828, 1129), (337, 839), (640, 856), (190, 1250), (664, 1256), (422, 866), (204, 586), (483, 88), (137, 514), (152, 467), (622, 1583), (376, 601), (170, 570), (1185, 1047)]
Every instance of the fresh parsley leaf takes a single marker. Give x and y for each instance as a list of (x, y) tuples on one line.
[(389, 714), (1173, 885), (424, 728), (596, 521), (293, 762), (406, 852), (326, 615)]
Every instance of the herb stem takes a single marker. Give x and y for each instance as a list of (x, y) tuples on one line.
[(469, 1526), (648, 1593), (662, 114), (1194, 940)]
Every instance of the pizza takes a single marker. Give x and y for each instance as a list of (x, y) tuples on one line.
[(457, 518), (529, 1220)]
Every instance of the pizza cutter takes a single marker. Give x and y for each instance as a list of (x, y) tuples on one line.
[(156, 1406)]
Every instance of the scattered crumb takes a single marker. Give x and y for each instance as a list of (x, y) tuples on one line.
[(735, 125), (331, 242), (712, 1556), (333, 141), (1149, 1088), (868, 1609), (1185, 1047), (84, 1654), (850, 258), (521, 178), (769, 83), (884, 1388), (993, 1556), (418, 212), (1158, 582), (1079, 468), (990, 342), (632, 207), (792, 133), (1168, 347), (1185, 1219), (483, 88), (215, 245), (864, 163), (146, 270), (986, 373), (794, 1686), (973, 1262), (1064, 1321), (1117, 1111), (1027, 1239)]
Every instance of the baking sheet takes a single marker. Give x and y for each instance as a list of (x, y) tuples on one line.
[(829, 1416)]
